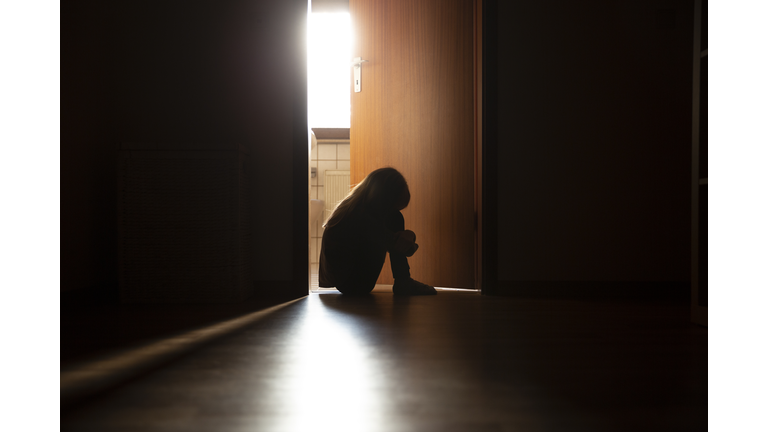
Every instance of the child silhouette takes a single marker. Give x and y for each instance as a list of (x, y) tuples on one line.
[(362, 229)]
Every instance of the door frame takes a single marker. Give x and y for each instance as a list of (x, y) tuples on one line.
[(484, 174), (478, 141), (486, 145), (699, 313)]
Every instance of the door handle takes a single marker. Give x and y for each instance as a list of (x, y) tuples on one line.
[(357, 62)]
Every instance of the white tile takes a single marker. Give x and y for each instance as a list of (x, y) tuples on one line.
[(343, 152), (313, 154), (322, 166), (320, 193), (326, 152), (313, 249), (314, 270), (342, 165), (313, 193)]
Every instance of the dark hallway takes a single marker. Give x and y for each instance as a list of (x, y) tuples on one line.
[(454, 362), (185, 186)]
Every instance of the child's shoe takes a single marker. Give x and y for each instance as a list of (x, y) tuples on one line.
[(412, 287)]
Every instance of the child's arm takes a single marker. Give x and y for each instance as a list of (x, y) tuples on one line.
[(405, 243)]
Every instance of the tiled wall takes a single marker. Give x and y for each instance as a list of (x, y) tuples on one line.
[(328, 155)]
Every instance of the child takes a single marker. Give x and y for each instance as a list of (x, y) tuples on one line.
[(364, 227)]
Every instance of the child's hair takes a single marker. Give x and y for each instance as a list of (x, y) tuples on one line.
[(381, 189)]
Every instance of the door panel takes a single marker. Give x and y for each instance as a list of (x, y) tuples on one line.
[(415, 113)]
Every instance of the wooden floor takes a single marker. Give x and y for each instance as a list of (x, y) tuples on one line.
[(453, 362)]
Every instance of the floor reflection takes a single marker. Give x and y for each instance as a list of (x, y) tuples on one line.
[(331, 373), (446, 363)]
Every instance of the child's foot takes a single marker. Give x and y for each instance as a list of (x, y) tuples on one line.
[(412, 287)]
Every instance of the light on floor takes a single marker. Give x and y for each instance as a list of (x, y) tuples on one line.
[(331, 377)]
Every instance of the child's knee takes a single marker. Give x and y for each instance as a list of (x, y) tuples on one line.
[(395, 222), (407, 235), (405, 243)]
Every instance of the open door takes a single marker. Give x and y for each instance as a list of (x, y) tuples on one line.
[(415, 112)]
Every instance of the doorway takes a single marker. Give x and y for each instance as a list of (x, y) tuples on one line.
[(329, 47), (418, 111)]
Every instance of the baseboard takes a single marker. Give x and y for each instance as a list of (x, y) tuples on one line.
[(281, 290), (594, 290)]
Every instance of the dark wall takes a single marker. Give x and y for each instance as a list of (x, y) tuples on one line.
[(88, 149), (592, 133), (191, 75)]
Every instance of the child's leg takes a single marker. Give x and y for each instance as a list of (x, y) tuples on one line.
[(405, 244), (361, 275), (398, 260)]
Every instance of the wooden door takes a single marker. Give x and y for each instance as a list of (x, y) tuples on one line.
[(415, 113)]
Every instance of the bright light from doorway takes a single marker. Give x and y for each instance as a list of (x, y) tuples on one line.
[(330, 68)]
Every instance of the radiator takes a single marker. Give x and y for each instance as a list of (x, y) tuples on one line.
[(336, 189)]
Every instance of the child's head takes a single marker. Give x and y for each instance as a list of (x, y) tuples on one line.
[(385, 190), (382, 191)]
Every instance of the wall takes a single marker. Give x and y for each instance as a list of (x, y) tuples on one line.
[(328, 155), (184, 76), (592, 140), (88, 150)]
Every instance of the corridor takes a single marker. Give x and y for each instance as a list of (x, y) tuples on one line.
[(457, 361)]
